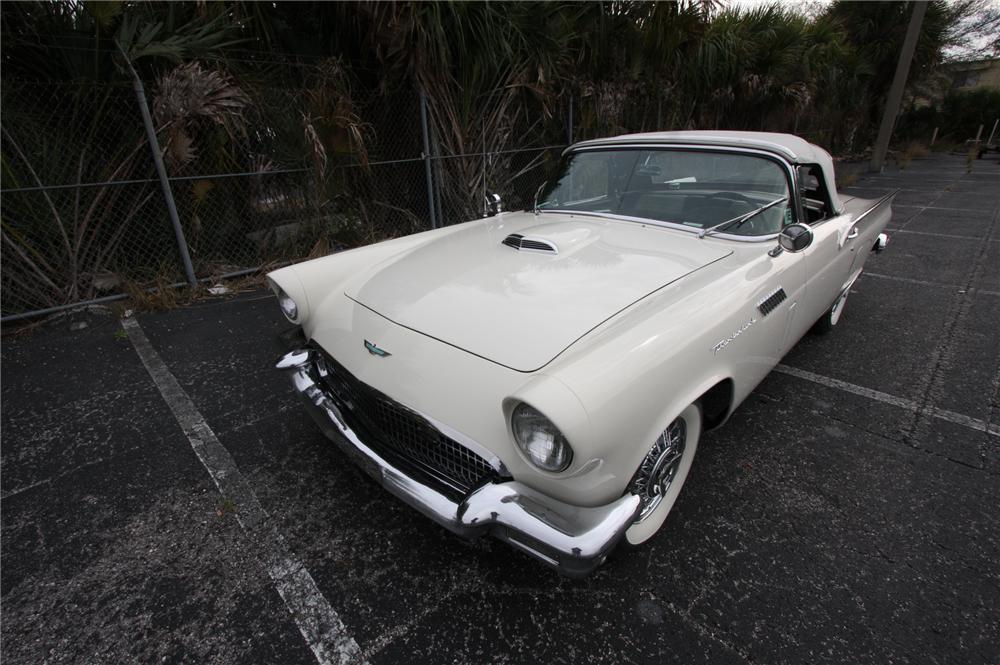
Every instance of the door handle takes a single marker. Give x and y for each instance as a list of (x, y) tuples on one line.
[(853, 234)]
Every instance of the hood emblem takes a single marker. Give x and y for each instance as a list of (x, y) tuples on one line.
[(375, 351)]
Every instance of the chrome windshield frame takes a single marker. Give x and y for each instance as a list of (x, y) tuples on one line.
[(787, 166)]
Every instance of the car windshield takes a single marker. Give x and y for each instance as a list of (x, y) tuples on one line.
[(696, 188)]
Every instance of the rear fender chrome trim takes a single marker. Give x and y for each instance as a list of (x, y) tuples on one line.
[(875, 206)]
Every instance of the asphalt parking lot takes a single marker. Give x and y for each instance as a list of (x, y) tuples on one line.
[(848, 512)]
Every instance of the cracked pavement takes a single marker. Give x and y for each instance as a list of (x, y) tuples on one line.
[(818, 525)]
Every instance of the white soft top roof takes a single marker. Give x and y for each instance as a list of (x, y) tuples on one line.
[(792, 148)]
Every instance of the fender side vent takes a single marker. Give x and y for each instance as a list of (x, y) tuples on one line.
[(771, 302), (528, 244)]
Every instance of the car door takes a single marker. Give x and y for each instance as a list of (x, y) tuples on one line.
[(828, 264), (829, 257), (786, 278), (752, 329)]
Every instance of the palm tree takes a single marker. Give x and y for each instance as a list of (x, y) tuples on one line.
[(69, 120)]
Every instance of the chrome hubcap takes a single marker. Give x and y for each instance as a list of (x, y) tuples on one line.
[(658, 469)]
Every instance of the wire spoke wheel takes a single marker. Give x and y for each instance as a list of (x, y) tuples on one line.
[(662, 473), (660, 467)]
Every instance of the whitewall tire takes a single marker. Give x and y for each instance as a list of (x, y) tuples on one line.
[(662, 474), (832, 315)]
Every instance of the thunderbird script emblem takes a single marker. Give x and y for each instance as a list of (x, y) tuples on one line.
[(375, 351)]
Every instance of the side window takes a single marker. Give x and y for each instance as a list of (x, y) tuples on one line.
[(815, 196)]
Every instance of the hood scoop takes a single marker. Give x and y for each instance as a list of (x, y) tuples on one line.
[(530, 244)]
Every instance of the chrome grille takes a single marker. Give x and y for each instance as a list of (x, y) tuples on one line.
[(403, 435)]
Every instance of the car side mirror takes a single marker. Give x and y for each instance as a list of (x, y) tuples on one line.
[(493, 205), (793, 238)]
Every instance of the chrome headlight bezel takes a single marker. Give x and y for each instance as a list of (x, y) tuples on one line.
[(539, 440)]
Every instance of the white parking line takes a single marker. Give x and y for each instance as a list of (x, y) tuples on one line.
[(886, 398), (940, 235), (866, 186), (939, 285), (905, 205), (929, 177), (318, 622)]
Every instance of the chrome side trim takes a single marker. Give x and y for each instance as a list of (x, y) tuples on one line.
[(876, 205), (867, 211), (572, 539)]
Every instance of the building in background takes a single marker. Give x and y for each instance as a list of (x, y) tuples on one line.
[(975, 74), (960, 76)]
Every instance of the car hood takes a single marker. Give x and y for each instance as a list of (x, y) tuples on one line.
[(521, 308)]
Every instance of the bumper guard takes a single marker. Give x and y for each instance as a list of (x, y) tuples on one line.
[(574, 540)]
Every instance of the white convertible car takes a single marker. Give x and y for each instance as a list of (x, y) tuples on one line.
[(545, 376)]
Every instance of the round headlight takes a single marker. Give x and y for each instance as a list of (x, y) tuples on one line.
[(540, 440), (288, 306)]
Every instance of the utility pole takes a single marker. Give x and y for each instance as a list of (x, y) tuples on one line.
[(895, 96)]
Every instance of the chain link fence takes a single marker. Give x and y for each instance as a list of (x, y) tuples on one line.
[(84, 216)]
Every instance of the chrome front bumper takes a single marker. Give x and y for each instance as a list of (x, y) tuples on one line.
[(572, 539)]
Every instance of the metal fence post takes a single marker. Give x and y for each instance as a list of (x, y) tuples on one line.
[(436, 162), (431, 204), (161, 171)]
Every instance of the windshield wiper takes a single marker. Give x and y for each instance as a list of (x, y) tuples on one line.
[(742, 218)]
